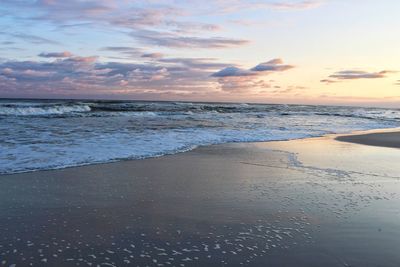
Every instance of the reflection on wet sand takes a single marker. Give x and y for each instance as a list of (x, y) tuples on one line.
[(311, 202)]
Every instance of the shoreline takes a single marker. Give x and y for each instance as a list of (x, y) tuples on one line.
[(304, 202), (387, 138), (356, 137)]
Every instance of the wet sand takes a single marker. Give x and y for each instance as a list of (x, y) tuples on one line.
[(386, 139), (310, 202)]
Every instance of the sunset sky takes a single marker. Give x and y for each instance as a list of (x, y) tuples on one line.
[(272, 51)]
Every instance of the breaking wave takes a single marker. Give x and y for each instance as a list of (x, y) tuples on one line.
[(50, 134), (41, 110), (109, 108)]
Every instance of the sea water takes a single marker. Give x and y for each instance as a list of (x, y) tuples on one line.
[(50, 134)]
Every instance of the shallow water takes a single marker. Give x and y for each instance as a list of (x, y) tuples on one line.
[(51, 134), (312, 202)]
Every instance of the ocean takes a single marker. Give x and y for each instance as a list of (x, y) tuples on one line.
[(51, 134)]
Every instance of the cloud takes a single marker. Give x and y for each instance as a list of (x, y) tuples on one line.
[(153, 55), (274, 65), (173, 40), (82, 59), (55, 54), (86, 75), (209, 64), (355, 75), (232, 72), (7, 43), (158, 23), (70, 10), (234, 79), (120, 49), (328, 81), (141, 18), (296, 5), (242, 84), (126, 51), (29, 38), (133, 14), (233, 6), (128, 31)]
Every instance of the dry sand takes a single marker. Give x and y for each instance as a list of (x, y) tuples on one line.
[(311, 202), (386, 139)]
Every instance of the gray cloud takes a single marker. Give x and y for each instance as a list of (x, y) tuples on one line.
[(120, 49), (234, 79), (29, 38), (232, 72), (55, 54), (153, 55), (195, 63), (7, 43), (133, 16), (355, 75), (242, 84), (81, 59), (274, 65), (169, 39), (87, 75), (158, 22), (125, 51), (328, 81), (154, 23)]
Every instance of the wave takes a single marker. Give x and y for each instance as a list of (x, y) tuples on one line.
[(42, 110), (104, 107), (48, 134), (140, 108)]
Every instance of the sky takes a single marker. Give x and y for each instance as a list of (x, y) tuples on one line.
[(340, 52)]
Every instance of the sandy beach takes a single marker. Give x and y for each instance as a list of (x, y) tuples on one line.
[(309, 202), (261, 133), (386, 139)]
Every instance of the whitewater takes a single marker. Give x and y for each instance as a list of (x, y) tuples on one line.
[(51, 134)]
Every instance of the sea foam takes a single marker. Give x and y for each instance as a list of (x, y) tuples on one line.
[(46, 134)]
